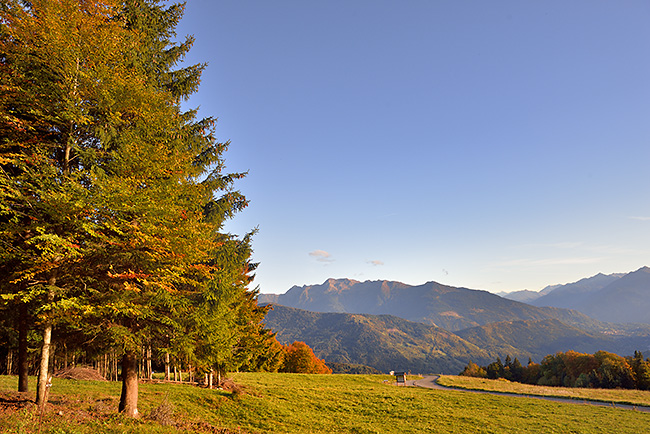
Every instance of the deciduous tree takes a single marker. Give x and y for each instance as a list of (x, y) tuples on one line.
[(300, 358)]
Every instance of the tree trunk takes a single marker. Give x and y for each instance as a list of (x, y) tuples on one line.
[(10, 361), (43, 374), (129, 397), (167, 371), (149, 363), (41, 386), (23, 362)]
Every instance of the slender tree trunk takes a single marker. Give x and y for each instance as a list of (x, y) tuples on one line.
[(149, 363), (129, 397), (23, 362), (143, 356), (41, 386), (167, 372), (10, 361), (43, 374)]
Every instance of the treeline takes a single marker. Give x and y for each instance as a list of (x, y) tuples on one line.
[(113, 201), (571, 369)]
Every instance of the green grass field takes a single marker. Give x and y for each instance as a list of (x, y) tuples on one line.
[(299, 403), (623, 396)]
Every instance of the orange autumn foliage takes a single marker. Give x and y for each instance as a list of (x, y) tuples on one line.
[(300, 358)]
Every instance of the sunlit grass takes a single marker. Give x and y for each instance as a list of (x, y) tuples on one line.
[(622, 396), (300, 403)]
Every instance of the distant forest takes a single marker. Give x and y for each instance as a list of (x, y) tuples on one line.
[(571, 369)]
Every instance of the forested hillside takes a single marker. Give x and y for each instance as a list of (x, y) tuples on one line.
[(536, 339), (386, 342), (383, 342)]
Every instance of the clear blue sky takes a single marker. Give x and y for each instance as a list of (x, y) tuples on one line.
[(498, 145)]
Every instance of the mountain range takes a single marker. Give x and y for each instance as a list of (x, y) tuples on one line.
[(438, 328), (432, 303), (618, 298)]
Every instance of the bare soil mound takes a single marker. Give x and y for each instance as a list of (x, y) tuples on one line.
[(80, 373)]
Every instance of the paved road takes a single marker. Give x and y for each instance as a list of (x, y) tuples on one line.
[(431, 383)]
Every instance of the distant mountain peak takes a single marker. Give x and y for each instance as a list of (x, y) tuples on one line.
[(619, 298), (338, 285)]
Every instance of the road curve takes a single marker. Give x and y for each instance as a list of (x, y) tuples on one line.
[(431, 382)]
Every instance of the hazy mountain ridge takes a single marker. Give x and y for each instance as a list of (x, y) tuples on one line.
[(525, 295), (447, 307), (624, 300), (570, 295), (618, 298)]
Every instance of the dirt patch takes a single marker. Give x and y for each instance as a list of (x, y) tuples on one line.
[(80, 373)]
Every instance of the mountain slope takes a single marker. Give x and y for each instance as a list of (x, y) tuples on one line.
[(624, 300), (617, 298), (537, 339), (383, 342), (524, 296), (431, 303), (573, 295), (387, 343)]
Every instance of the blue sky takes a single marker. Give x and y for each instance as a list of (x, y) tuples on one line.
[(497, 145)]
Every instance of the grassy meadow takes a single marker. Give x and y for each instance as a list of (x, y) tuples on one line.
[(622, 396), (301, 403)]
